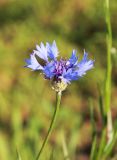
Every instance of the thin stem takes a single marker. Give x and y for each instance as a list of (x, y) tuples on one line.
[(108, 75), (58, 100), (109, 64)]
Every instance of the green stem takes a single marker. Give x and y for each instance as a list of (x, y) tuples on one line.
[(58, 100), (109, 65), (108, 75)]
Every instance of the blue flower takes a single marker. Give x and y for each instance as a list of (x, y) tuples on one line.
[(73, 59), (41, 51), (52, 50), (49, 69), (59, 71), (33, 63)]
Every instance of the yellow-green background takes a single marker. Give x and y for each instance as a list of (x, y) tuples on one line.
[(27, 100)]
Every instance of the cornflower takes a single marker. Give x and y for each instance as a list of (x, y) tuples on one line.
[(61, 72)]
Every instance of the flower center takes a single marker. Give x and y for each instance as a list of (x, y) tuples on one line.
[(60, 66)]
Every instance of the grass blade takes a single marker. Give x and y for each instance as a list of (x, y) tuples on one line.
[(94, 149), (64, 147), (18, 155), (102, 145), (109, 147)]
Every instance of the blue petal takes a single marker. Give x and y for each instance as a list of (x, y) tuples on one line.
[(84, 65), (49, 70), (73, 59), (52, 50), (33, 63), (41, 52), (70, 75)]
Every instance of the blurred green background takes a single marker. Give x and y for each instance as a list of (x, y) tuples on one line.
[(27, 100)]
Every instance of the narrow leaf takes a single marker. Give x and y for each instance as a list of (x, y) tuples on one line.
[(18, 155), (102, 144), (108, 149), (94, 149)]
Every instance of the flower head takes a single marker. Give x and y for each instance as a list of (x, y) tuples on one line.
[(60, 72)]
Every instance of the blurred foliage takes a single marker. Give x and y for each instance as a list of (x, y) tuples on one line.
[(26, 99)]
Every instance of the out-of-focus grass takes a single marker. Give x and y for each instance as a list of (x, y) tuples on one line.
[(26, 100)]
